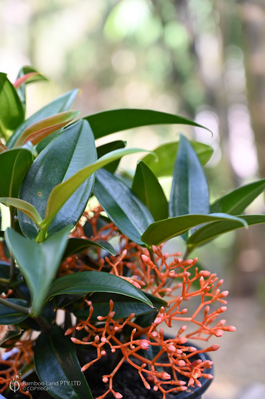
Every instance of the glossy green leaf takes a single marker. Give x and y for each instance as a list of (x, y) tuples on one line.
[(12, 332), (236, 201), (70, 302), (12, 111), (107, 148), (39, 130), (215, 229), (127, 212), (160, 231), (95, 281), (8, 316), (123, 306), (77, 245), (14, 165), (56, 362), (166, 153), (62, 103), (147, 188), (189, 191), (24, 207), (111, 121), (31, 75), (72, 150), (38, 262), (61, 193)]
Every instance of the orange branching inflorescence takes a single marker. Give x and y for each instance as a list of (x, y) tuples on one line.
[(154, 276), (164, 364), (10, 371)]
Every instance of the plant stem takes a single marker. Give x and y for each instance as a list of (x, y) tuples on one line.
[(152, 259), (17, 307), (5, 281), (186, 254), (41, 236), (12, 269), (68, 321), (12, 261)]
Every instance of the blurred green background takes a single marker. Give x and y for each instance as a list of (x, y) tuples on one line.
[(201, 59)]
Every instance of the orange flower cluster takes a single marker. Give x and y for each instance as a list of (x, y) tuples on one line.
[(22, 355), (156, 277), (163, 364)]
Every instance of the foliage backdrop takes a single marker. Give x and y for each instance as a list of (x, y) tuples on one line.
[(201, 59)]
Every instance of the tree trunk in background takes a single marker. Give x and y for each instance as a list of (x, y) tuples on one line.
[(253, 20), (250, 245), (250, 260)]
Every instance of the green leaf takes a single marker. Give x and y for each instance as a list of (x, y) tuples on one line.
[(72, 150), (12, 332), (56, 362), (62, 103), (160, 231), (77, 245), (24, 73), (123, 306), (166, 153), (107, 148), (127, 212), (236, 201), (215, 229), (107, 122), (95, 281), (38, 262), (12, 111), (41, 129), (24, 207), (189, 191), (14, 165), (8, 316), (147, 188), (61, 193)]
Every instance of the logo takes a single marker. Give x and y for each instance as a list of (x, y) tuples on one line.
[(14, 384)]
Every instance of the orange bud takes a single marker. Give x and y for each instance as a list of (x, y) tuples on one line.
[(144, 344), (224, 293)]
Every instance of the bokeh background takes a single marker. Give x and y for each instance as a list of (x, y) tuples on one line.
[(202, 59)]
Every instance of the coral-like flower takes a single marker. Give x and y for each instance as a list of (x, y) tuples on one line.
[(165, 276), (175, 281)]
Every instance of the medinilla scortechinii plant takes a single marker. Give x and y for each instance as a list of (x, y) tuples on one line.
[(103, 263)]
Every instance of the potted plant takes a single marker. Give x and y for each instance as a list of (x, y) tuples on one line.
[(101, 262)]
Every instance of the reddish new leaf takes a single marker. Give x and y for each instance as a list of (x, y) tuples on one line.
[(2, 147), (24, 78), (41, 129)]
